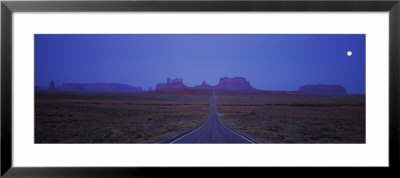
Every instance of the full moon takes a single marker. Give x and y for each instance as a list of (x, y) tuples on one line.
[(349, 53)]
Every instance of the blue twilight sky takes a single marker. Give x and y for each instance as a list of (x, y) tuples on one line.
[(269, 62)]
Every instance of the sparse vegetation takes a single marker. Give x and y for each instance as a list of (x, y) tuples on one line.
[(295, 119), (270, 117), (115, 118)]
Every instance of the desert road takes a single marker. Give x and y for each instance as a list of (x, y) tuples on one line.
[(212, 131)]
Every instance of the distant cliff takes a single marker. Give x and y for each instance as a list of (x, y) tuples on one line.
[(175, 83), (236, 83), (225, 83), (51, 87), (99, 87), (322, 89), (204, 85)]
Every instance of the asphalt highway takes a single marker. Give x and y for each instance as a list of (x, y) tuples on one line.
[(212, 131)]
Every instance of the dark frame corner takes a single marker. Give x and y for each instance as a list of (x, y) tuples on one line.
[(8, 7)]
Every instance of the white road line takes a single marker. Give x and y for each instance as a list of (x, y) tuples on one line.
[(213, 133), (225, 126), (235, 132), (191, 131)]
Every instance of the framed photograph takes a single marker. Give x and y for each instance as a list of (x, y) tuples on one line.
[(114, 88)]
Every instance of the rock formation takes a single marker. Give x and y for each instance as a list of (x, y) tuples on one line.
[(322, 89), (236, 83), (51, 87), (99, 87), (175, 83), (204, 85)]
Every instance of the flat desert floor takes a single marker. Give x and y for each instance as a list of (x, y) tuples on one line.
[(115, 118), (269, 117), (284, 117)]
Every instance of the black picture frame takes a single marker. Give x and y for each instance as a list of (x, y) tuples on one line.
[(8, 7)]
